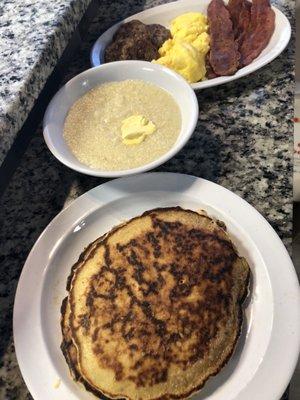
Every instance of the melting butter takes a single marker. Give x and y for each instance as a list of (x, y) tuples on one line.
[(135, 128), (57, 383)]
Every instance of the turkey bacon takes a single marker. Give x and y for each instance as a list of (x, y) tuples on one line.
[(224, 56), (258, 33)]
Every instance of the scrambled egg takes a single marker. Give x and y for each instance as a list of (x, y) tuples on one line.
[(185, 52), (189, 26), (135, 128)]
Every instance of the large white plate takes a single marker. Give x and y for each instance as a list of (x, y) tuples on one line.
[(165, 13), (266, 355)]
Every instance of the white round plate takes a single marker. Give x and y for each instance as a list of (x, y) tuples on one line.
[(165, 13), (267, 350)]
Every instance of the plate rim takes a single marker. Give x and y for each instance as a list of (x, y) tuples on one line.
[(282, 379), (96, 62)]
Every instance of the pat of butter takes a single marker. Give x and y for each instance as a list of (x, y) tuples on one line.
[(135, 128), (57, 383)]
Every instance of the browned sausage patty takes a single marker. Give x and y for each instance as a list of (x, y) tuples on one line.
[(136, 41)]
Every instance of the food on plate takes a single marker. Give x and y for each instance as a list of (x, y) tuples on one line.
[(68, 348), (210, 74), (122, 125), (132, 29), (183, 58), (185, 52), (189, 27), (154, 307), (239, 11), (224, 56), (258, 32), (131, 49), (198, 46), (239, 37), (136, 41), (159, 34)]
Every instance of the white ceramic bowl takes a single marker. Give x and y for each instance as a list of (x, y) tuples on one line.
[(118, 71)]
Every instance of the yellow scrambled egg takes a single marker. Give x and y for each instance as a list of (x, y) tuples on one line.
[(185, 52), (135, 128)]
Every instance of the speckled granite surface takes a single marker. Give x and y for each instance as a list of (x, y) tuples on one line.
[(33, 35), (243, 141)]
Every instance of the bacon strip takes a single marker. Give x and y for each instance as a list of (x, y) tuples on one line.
[(240, 12), (224, 56), (210, 74), (259, 31)]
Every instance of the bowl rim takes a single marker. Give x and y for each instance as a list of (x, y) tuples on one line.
[(186, 134)]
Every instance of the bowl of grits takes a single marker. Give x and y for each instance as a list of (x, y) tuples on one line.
[(121, 118)]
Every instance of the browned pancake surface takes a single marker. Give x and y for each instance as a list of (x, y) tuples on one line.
[(162, 300)]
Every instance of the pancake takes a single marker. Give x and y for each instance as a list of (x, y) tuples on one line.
[(154, 307), (68, 348)]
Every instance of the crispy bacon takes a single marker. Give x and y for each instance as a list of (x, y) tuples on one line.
[(240, 11), (259, 31), (224, 56), (210, 74)]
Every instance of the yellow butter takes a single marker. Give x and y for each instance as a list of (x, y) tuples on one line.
[(135, 128)]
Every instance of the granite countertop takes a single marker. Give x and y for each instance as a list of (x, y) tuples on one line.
[(243, 141), (33, 36)]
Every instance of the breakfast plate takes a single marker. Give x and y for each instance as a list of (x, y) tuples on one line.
[(271, 329), (163, 15)]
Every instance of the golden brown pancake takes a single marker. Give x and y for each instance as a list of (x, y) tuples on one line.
[(154, 307)]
